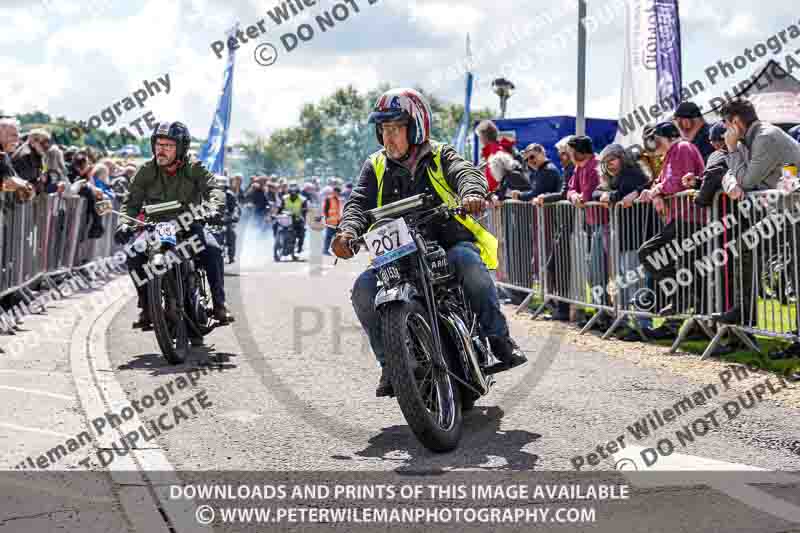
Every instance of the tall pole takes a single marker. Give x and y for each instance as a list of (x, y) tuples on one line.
[(580, 118), (503, 88)]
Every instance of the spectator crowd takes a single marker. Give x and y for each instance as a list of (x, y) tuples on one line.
[(264, 198), (736, 155), (32, 165)]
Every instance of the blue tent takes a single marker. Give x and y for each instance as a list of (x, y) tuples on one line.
[(547, 131)]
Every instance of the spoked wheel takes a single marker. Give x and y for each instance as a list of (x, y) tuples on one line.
[(166, 298), (289, 244), (277, 248), (429, 398)]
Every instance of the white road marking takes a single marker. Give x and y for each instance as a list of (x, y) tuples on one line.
[(35, 430), (39, 392), (677, 461), (241, 415), (679, 470), (98, 392), (33, 372)]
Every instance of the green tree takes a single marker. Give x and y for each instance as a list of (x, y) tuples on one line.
[(36, 117), (333, 133)]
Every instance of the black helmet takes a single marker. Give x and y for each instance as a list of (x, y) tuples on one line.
[(175, 131)]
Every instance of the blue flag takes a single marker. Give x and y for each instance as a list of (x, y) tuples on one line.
[(460, 139), (668, 51), (212, 155)]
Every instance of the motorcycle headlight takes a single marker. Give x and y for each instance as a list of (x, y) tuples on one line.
[(158, 260)]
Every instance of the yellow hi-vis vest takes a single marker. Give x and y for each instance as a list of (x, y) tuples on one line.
[(485, 241), (295, 207)]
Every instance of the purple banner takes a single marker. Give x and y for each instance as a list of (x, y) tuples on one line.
[(668, 51)]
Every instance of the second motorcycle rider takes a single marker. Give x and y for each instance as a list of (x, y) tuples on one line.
[(411, 163)]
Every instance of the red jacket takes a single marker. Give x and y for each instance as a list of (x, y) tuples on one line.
[(506, 145), (682, 158), (584, 181)]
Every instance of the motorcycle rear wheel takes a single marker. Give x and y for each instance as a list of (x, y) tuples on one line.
[(165, 299), (429, 398)]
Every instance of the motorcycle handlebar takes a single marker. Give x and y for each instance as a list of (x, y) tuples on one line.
[(357, 242)]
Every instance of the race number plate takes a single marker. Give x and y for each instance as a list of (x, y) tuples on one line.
[(166, 232), (389, 243)]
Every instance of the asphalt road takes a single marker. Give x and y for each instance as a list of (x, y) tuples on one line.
[(296, 360), (289, 387)]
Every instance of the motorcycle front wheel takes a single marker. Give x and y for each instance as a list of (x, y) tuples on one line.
[(429, 398), (166, 298), (277, 248)]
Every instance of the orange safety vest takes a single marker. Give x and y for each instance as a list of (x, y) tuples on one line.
[(334, 211)]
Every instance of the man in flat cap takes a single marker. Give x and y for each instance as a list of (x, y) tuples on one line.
[(693, 128)]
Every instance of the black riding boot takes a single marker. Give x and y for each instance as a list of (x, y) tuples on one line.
[(508, 352)]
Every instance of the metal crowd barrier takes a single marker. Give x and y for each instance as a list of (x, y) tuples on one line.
[(574, 260), (42, 238), (73, 209), (520, 227), (661, 256), (516, 227), (733, 255), (494, 223), (104, 246), (756, 264)]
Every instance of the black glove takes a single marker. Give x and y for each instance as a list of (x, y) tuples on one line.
[(215, 219), (123, 234)]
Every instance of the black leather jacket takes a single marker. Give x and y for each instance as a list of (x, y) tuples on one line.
[(461, 175)]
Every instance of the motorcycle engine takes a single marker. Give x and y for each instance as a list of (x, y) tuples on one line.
[(440, 266)]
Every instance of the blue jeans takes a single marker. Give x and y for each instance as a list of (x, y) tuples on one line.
[(330, 233), (598, 271), (471, 273), (629, 262)]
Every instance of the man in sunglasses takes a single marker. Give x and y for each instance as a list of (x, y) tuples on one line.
[(543, 175)]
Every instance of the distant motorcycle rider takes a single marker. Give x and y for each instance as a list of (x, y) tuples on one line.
[(171, 176), (410, 163), (232, 215), (331, 213), (296, 204)]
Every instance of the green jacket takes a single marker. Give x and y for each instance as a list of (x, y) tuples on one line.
[(190, 185)]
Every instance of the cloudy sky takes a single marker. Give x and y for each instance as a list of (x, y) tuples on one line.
[(75, 58)]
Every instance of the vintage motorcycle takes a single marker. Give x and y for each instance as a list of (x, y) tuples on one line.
[(178, 292), (434, 353), (285, 237)]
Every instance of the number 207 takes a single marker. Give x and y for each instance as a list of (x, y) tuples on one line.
[(385, 243)]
